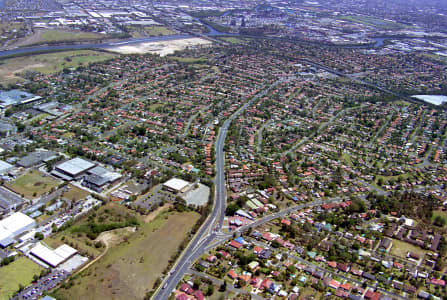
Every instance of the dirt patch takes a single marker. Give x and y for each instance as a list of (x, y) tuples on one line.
[(162, 48), (10, 72), (154, 214), (31, 39), (114, 237)]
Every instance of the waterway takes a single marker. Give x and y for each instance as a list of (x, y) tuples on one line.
[(97, 45), (105, 45)]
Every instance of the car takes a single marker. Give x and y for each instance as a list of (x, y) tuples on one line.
[(165, 286)]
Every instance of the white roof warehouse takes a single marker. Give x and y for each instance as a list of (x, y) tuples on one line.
[(53, 257), (73, 168), (14, 225)]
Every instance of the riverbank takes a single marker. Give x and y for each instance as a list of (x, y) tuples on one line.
[(102, 45)]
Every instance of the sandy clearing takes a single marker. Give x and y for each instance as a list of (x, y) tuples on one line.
[(30, 39), (113, 237), (162, 48), (109, 238)]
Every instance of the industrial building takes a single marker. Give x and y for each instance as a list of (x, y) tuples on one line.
[(72, 169), (98, 178), (176, 185), (36, 158), (196, 193), (53, 257), (13, 226), (9, 201), (16, 97), (5, 167), (7, 128)]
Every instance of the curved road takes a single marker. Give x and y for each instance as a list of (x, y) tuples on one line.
[(208, 232)]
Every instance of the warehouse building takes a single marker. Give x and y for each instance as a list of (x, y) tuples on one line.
[(5, 167), (176, 185), (36, 158), (16, 97), (98, 178), (7, 128), (9, 201), (53, 257), (13, 226), (72, 169)]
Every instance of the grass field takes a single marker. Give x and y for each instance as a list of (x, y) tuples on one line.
[(21, 271), (55, 36), (345, 156), (441, 213), (310, 292), (48, 63), (233, 40), (402, 248), (32, 184), (141, 31), (75, 194), (129, 270), (189, 60), (153, 107), (371, 21), (61, 35), (392, 178)]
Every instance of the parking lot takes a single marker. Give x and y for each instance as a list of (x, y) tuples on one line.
[(44, 284)]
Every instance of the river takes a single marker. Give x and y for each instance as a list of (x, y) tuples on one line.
[(105, 45), (97, 45)]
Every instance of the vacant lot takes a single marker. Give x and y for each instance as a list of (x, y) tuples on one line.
[(371, 21), (142, 31), (55, 36), (233, 40), (33, 184), (129, 270), (162, 48), (82, 234), (402, 248), (11, 68), (21, 271), (190, 60), (75, 194)]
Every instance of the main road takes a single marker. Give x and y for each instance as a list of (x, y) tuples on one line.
[(213, 224)]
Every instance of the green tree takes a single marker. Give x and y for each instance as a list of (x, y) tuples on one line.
[(232, 209)]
